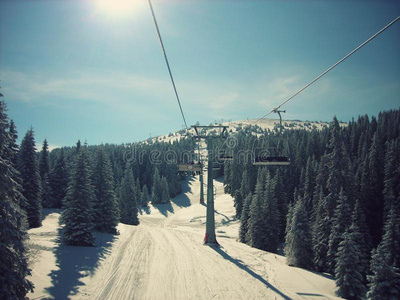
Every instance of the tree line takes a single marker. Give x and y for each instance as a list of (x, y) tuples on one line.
[(337, 206), (96, 186), (335, 209)]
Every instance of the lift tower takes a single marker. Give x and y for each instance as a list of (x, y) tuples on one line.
[(201, 187), (210, 133), (201, 174)]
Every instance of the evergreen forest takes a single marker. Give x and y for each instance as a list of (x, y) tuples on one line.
[(334, 209)]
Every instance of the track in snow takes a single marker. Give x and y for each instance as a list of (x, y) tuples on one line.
[(164, 258)]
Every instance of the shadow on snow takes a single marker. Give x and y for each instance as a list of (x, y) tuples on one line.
[(310, 295), (181, 200), (164, 209), (144, 210), (223, 221), (242, 266), (75, 263)]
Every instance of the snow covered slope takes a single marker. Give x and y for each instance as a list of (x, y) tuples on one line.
[(238, 125), (164, 258)]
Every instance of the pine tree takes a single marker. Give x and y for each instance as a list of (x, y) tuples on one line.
[(239, 195), (349, 279), (105, 208), (127, 200), (362, 238), (255, 222), (58, 181), (12, 151), (147, 176), (341, 221), (78, 147), (392, 175), (245, 187), (336, 177), (288, 231), (13, 267), (13, 144), (238, 203), (298, 248), (263, 220), (145, 196), (165, 198), (29, 169), (385, 278), (338, 163), (236, 177), (245, 218), (299, 162), (321, 233), (309, 186), (271, 215), (156, 188), (374, 197), (390, 243), (173, 180), (320, 189), (44, 169), (227, 177), (78, 204), (44, 163), (282, 202), (138, 192), (47, 199)]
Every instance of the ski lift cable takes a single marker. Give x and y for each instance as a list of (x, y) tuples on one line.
[(329, 69), (166, 60), (275, 110)]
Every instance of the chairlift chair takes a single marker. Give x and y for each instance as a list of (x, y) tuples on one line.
[(215, 168), (271, 161), (270, 156), (223, 156), (190, 167), (264, 158)]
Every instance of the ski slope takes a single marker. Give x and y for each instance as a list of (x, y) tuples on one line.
[(164, 258)]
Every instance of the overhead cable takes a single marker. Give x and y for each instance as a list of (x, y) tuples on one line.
[(166, 60), (329, 69)]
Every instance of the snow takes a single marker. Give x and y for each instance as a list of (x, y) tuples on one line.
[(164, 258), (236, 125)]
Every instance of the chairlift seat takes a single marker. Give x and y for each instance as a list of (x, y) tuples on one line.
[(272, 161), (223, 156), (215, 168), (190, 167)]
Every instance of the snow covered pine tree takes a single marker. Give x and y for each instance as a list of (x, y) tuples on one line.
[(78, 212), (105, 208), (29, 169), (13, 266)]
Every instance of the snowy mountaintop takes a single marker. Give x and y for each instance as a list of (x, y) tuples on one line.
[(235, 126)]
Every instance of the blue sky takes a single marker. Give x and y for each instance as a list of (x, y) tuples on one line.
[(74, 70)]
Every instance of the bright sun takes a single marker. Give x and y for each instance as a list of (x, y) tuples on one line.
[(117, 8)]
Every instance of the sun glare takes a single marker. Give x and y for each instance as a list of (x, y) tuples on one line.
[(117, 8)]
